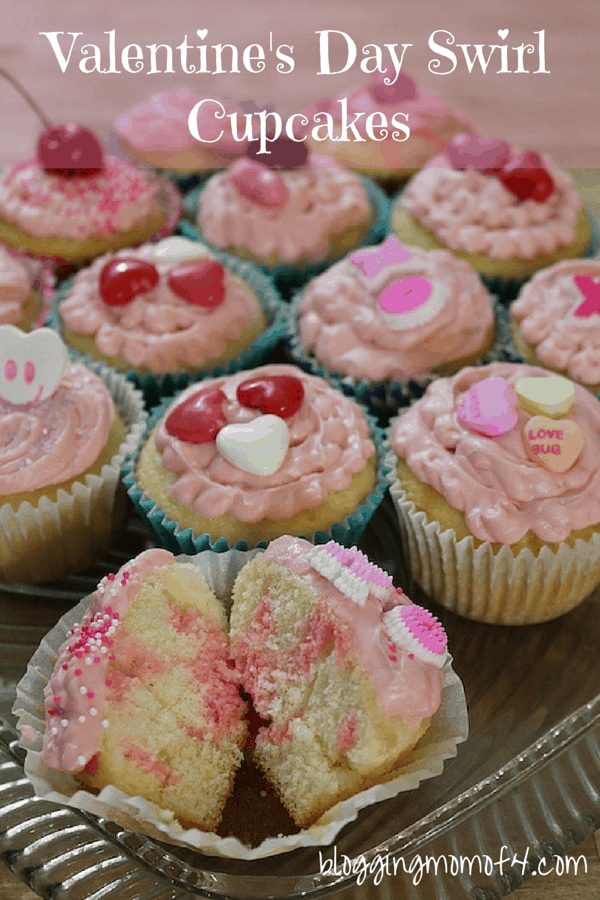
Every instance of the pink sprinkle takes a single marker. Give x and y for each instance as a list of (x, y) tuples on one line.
[(109, 642), (109, 609), (393, 648), (110, 576), (112, 656), (125, 575), (90, 695), (78, 672), (65, 665), (108, 682), (79, 654), (116, 615), (411, 655), (393, 658), (124, 582), (96, 659), (57, 699)]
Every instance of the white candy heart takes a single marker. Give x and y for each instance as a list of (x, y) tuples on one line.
[(31, 365), (550, 395), (258, 447), (179, 249)]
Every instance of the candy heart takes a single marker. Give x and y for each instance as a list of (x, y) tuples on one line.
[(372, 261), (199, 282), (489, 408), (282, 153), (122, 280), (403, 88), (279, 395), (31, 365), (258, 447), (410, 302), (469, 151), (199, 418), (259, 184), (590, 288), (555, 444), (178, 249), (550, 395), (526, 178)]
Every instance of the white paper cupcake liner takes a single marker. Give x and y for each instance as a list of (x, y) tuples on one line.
[(449, 727), (496, 588), (68, 534)]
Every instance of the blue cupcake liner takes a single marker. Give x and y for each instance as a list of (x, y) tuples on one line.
[(384, 398), (178, 540), (289, 278), (261, 351)]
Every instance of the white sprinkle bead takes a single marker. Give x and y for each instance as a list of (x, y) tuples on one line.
[(54, 730), (64, 723), (93, 711), (88, 661), (83, 689), (81, 720), (81, 760), (105, 723)]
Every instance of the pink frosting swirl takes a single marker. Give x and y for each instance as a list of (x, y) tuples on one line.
[(53, 441), (342, 323), (502, 493), (158, 329), (15, 286), (322, 201), (475, 213), (329, 443), (119, 199), (544, 311)]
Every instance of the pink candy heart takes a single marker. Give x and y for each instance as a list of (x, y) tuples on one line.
[(590, 288), (469, 151), (489, 408), (258, 183), (372, 260)]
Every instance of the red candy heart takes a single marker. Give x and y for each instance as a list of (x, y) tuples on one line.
[(278, 395), (200, 282), (121, 280), (259, 184), (526, 178), (199, 418)]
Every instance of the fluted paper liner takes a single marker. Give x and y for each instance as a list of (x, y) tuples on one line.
[(497, 588), (449, 727), (55, 538)]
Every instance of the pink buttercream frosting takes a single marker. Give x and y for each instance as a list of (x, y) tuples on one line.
[(158, 128), (545, 313), (328, 443), (502, 493), (343, 325), (46, 443), (117, 200), (158, 330), (406, 687), (475, 213), (321, 201), (15, 286)]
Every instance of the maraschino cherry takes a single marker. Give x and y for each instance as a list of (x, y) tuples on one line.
[(66, 150)]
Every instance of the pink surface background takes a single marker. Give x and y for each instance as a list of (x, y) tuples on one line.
[(558, 113)]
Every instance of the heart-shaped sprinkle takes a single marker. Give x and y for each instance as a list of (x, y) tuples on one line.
[(404, 88), (372, 261), (178, 249), (31, 365), (489, 408), (555, 444), (199, 418), (469, 151), (283, 153), (550, 395), (278, 395), (526, 178), (410, 302), (259, 184), (200, 282), (122, 280), (258, 447), (590, 288)]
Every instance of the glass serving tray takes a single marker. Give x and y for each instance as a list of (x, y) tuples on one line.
[(527, 779)]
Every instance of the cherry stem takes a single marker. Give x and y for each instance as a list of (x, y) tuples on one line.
[(27, 96)]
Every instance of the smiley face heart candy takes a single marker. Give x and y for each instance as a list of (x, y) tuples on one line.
[(489, 407), (199, 418), (31, 365), (551, 396), (258, 447), (555, 444)]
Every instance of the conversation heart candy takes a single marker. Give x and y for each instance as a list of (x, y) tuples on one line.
[(199, 282), (199, 418), (410, 302), (489, 407), (373, 259), (526, 177), (31, 365), (550, 395), (258, 447), (590, 288), (555, 444), (278, 395), (259, 184), (122, 280), (178, 249)]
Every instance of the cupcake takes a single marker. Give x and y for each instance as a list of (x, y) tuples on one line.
[(156, 133), (556, 321), (254, 455), (65, 431), (22, 290), (170, 307), (393, 314), (497, 485), (508, 213), (390, 156)]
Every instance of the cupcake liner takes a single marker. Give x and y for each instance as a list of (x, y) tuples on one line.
[(384, 398), (71, 532), (290, 278), (496, 588), (178, 540), (155, 387), (449, 727)]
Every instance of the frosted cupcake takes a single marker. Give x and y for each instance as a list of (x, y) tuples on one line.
[(508, 213), (23, 289), (556, 321), (254, 455), (497, 486)]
